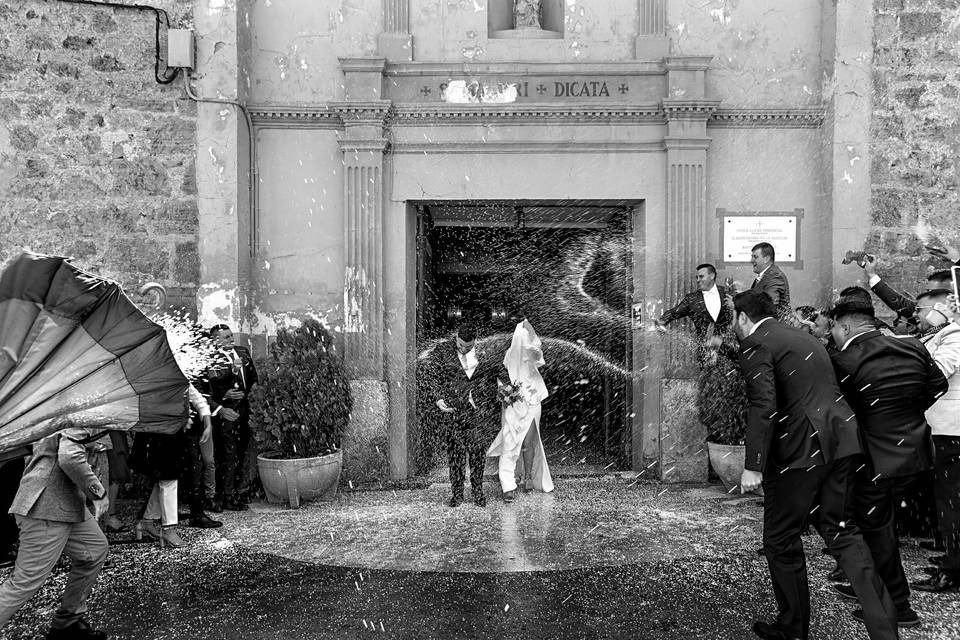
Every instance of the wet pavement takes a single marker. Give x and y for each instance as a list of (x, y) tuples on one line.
[(600, 558)]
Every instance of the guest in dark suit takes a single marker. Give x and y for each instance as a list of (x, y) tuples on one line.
[(904, 306), (466, 394), (705, 307), (770, 279), (801, 445), (56, 507), (10, 472), (229, 386), (890, 382)]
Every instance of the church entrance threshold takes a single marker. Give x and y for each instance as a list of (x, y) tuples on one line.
[(567, 268)]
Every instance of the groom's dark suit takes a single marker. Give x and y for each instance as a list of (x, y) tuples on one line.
[(693, 306), (802, 436), (465, 426)]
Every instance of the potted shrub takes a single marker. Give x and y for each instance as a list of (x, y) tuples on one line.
[(722, 404), (298, 412)]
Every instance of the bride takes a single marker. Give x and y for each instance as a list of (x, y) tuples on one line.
[(520, 416)]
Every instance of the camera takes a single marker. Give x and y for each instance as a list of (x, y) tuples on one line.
[(860, 257)]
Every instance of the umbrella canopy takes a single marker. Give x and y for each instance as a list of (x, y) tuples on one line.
[(74, 350)]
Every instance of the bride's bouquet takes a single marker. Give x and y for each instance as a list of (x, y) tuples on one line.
[(512, 393)]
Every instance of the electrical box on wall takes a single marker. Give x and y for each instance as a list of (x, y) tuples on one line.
[(180, 48)]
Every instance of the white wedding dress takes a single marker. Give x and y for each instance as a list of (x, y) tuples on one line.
[(520, 421)]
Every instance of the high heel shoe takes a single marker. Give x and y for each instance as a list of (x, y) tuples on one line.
[(147, 528), (170, 538)]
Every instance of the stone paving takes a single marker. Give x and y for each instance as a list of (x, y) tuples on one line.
[(600, 558)]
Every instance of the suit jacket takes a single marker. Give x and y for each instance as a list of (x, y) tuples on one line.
[(797, 417), (944, 416), (774, 283), (904, 306), (223, 379), (890, 382), (58, 481), (455, 388), (692, 306)]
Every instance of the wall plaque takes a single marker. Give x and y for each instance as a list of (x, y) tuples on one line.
[(741, 230)]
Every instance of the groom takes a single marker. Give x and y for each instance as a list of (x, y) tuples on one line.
[(466, 392)]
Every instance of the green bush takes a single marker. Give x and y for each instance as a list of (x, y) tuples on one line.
[(302, 404), (722, 400)]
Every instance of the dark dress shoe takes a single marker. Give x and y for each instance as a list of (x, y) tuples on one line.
[(937, 583), (203, 521), (235, 505), (837, 575), (480, 500), (846, 591), (456, 501), (905, 619), (79, 630), (932, 545), (769, 631), (509, 496)]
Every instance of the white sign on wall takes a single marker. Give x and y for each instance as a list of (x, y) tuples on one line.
[(741, 231)]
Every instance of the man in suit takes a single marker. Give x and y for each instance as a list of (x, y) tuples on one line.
[(890, 382), (229, 385), (704, 307), (801, 446), (770, 279), (56, 508), (935, 313), (466, 394), (904, 306)]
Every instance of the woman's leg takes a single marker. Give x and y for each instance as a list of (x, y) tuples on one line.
[(167, 498)]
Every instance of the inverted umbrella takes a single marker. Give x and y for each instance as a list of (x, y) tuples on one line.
[(75, 351)]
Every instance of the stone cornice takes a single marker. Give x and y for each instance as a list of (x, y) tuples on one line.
[(679, 109), (362, 112), (688, 63), (632, 68), (455, 114), (794, 118), (334, 115), (375, 144), (362, 65)]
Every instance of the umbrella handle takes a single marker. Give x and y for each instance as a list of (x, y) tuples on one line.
[(157, 292)]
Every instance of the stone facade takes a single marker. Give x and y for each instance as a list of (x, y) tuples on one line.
[(915, 171), (96, 158)]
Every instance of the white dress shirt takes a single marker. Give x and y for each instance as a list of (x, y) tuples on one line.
[(469, 362), (760, 275), (711, 298)]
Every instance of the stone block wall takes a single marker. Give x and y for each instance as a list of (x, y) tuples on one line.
[(97, 158), (915, 170)]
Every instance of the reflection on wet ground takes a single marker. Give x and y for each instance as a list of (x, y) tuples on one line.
[(601, 558)]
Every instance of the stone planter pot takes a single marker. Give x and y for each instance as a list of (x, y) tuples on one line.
[(299, 478), (728, 461)]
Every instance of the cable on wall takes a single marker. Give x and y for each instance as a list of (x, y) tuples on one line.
[(166, 77)]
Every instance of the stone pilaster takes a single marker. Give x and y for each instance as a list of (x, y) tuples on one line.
[(396, 41), (223, 168), (652, 42)]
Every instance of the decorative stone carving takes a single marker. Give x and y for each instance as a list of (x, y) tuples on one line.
[(526, 14)]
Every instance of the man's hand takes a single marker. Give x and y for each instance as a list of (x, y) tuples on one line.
[(100, 507), (233, 394), (870, 265), (750, 481), (207, 429), (659, 326), (229, 414), (442, 405)]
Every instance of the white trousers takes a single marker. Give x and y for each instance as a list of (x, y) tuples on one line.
[(162, 504)]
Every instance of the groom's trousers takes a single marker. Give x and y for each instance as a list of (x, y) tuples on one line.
[(789, 498), (463, 444)]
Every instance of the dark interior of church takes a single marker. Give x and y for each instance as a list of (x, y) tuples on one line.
[(566, 270)]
